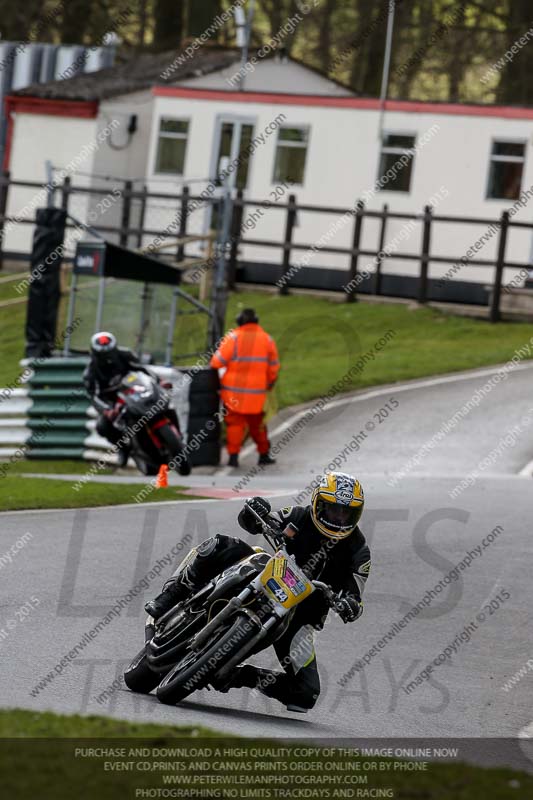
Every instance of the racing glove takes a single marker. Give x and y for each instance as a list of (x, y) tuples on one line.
[(348, 608), (260, 506), (248, 521)]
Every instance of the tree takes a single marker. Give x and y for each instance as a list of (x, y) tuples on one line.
[(168, 17), (201, 15), (515, 81)]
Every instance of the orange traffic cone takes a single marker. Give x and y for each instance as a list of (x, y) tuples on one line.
[(162, 477)]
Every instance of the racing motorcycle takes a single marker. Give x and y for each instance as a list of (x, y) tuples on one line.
[(142, 408), (242, 611)]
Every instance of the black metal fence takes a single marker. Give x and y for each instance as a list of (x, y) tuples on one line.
[(282, 272)]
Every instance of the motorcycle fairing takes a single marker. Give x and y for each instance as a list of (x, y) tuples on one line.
[(284, 582)]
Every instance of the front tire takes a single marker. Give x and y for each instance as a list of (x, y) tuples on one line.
[(139, 677), (195, 670), (174, 445), (145, 467)]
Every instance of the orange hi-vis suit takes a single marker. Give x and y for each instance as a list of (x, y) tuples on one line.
[(250, 357)]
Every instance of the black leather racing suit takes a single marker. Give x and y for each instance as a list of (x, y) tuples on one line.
[(96, 379)]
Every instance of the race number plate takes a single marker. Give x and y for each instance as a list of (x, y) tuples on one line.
[(284, 581)]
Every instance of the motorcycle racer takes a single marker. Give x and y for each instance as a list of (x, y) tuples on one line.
[(108, 361), (325, 540)]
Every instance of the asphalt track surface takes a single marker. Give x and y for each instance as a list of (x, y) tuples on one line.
[(78, 563)]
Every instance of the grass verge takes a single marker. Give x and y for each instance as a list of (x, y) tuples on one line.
[(18, 493), (146, 760), (320, 339), (17, 722), (45, 466)]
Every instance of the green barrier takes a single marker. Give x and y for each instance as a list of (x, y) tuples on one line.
[(57, 417), (59, 408), (55, 453)]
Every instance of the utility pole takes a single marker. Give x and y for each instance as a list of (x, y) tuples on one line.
[(386, 67), (244, 31)]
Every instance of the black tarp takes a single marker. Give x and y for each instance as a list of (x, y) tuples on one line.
[(44, 289), (112, 261)]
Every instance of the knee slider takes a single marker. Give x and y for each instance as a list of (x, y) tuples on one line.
[(208, 547)]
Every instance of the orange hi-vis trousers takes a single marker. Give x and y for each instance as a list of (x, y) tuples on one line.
[(236, 425)]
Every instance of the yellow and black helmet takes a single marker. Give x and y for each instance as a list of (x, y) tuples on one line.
[(337, 504)]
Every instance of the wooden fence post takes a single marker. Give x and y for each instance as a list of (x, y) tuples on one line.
[(180, 252), (289, 227), (65, 193), (354, 258), (500, 263), (142, 214), (236, 224), (380, 257), (4, 189), (424, 256), (126, 213)]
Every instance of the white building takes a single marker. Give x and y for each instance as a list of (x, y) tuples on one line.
[(27, 63), (166, 127)]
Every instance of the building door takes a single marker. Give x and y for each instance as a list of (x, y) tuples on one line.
[(232, 137)]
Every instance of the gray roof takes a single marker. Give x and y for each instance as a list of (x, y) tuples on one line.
[(145, 70), (137, 73)]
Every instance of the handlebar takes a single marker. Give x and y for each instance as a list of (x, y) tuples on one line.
[(268, 531), (329, 594)]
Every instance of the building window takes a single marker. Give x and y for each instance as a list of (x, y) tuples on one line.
[(506, 167), (291, 152), (397, 155), (171, 146)]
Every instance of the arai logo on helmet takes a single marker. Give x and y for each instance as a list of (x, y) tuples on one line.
[(345, 488), (346, 496)]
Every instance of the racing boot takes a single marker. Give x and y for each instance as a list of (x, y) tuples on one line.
[(266, 681), (176, 589), (241, 677), (198, 567)]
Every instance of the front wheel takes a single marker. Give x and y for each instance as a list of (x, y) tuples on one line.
[(139, 677), (196, 669), (174, 445)]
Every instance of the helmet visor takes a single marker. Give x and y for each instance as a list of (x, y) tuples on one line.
[(337, 517)]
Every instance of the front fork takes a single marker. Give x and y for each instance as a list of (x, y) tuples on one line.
[(230, 608)]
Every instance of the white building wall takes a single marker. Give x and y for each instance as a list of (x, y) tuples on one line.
[(65, 141), (129, 158), (342, 164), (36, 138), (123, 158)]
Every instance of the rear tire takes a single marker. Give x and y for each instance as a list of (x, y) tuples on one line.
[(189, 675), (139, 677), (174, 445)]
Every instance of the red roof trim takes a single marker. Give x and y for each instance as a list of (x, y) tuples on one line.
[(363, 103), (60, 108), (40, 105)]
